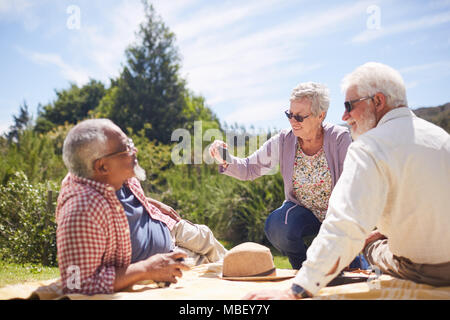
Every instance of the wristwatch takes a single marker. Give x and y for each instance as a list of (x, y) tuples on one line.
[(299, 292)]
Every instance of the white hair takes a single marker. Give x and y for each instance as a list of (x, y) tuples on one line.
[(317, 93), (372, 78), (85, 143)]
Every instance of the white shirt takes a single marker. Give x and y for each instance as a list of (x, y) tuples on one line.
[(396, 177)]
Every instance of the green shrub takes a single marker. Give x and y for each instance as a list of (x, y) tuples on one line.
[(37, 155), (155, 158), (27, 222), (235, 210)]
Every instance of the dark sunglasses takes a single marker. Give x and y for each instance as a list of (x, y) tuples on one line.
[(349, 104), (295, 116)]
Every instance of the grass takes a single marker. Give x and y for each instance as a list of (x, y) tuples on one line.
[(12, 273), (281, 262)]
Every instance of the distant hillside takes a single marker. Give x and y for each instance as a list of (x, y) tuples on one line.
[(438, 115)]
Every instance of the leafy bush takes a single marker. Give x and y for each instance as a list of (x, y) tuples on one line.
[(37, 155), (27, 222), (155, 158), (235, 210)]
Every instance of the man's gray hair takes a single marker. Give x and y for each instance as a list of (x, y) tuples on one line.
[(85, 143), (317, 93), (374, 77)]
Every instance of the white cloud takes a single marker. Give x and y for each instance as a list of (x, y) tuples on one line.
[(14, 6), (96, 50), (411, 84), (252, 113), (440, 65), (418, 74), (70, 73), (170, 10), (104, 46), (222, 59), (439, 4), (406, 26), (20, 11), (228, 63), (253, 104), (219, 17)]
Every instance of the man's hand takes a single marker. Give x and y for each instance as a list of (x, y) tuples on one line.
[(164, 208), (374, 235), (159, 268), (270, 295), (164, 267)]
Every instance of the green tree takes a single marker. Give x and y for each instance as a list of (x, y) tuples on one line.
[(21, 122), (150, 95), (195, 109), (71, 105)]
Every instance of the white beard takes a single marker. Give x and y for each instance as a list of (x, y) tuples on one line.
[(367, 122), (139, 172)]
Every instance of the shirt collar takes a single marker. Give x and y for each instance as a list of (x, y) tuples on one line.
[(103, 188), (395, 113)]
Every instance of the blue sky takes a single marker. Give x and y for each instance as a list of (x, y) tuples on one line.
[(244, 57)]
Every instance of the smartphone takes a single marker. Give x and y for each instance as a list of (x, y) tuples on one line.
[(224, 154)]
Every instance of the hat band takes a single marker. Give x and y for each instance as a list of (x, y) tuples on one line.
[(262, 274)]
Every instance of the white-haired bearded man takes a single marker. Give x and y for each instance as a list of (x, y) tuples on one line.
[(396, 179)]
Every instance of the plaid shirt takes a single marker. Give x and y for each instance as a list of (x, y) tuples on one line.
[(93, 236)]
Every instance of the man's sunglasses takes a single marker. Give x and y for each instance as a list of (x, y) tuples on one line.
[(297, 117), (349, 104)]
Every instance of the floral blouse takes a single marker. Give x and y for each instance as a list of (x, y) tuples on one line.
[(312, 181)]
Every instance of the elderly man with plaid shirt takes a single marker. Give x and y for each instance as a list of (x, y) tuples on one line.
[(109, 234)]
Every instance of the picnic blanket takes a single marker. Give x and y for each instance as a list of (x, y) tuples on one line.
[(204, 283)]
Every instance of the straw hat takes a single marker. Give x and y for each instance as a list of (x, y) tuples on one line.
[(251, 261)]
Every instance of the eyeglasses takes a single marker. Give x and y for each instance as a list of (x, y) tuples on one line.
[(131, 149), (349, 104), (297, 117)]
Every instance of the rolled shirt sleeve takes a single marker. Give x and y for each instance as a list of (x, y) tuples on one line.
[(355, 206)]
